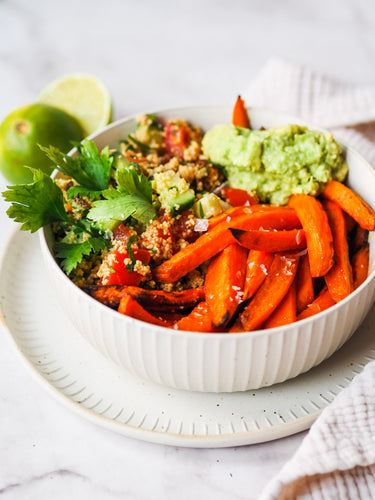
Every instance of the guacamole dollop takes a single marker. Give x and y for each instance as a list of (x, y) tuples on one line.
[(277, 162)]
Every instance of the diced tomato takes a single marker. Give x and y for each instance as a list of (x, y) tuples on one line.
[(122, 233), (238, 197), (120, 275), (177, 138)]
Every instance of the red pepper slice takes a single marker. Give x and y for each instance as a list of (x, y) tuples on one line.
[(238, 197), (177, 138), (120, 275)]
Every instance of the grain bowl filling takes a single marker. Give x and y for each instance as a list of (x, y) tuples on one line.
[(229, 231)]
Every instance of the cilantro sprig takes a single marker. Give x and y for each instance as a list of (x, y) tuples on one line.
[(91, 170), (37, 204), (133, 198), (41, 203)]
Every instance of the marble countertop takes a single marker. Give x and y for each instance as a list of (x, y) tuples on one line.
[(151, 56)]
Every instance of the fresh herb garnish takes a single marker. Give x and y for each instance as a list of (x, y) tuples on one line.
[(37, 204), (143, 147), (132, 199), (132, 239), (91, 170), (40, 203), (72, 253)]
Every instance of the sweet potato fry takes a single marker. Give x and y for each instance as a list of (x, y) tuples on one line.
[(350, 223), (240, 116), (285, 312), (271, 241), (192, 256), (318, 233), (224, 283), (238, 197), (130, 307), (271, 218), (274, 288), (159, 300), (257, 267), (321, 303), (257, 217), (339, 278), (351, 203), (305, 286), (360, 265), (199, 320), (360, 238)]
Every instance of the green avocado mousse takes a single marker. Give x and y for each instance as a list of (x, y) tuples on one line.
[(277, 162)]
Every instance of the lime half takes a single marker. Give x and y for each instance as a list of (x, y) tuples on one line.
[(84, 97)]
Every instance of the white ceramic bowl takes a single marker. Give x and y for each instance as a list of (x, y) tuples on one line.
[(216, 362)]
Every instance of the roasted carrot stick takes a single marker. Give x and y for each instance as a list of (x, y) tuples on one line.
[(350, 223), (305, 286), (360, 238), (321, 303), (219, 237), (360, 265), (224, 283), (318, 233), (240, 117), (285, 312), (339, 278), (256, 217), (351, 203), (130, 307), (271, 241), (190, 257), (257, 267), (110, 295), (274, 288), (199, 320), (238, 197)]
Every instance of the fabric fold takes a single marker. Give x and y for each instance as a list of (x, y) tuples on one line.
[(336, 460)]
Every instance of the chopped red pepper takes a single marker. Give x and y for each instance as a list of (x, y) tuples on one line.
[(238, 197), (177, 138)]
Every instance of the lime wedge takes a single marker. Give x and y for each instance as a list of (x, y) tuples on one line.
[(84, 97)]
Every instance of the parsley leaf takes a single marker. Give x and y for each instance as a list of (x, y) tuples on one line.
[(36, 204), (132, 239), (91, 170), (72, 253), (133, 198), (82, 191)]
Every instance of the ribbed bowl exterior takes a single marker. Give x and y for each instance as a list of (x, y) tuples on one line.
[(215, 362), (210, 362)]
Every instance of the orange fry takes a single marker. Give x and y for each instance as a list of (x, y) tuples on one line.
[(160, 300), (321, 303), (240, 116), (360, 265), (360, 238), (192, 256), (305, 286), (318, 233), (257, 267), (271, 241), (199, 320), (274, 288), (130, 307), (224, 283), (351, 203), (339, 278), (285, 312)]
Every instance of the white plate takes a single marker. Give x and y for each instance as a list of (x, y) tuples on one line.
[(73, 371)]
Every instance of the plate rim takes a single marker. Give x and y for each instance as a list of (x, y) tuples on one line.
[(185, 440)]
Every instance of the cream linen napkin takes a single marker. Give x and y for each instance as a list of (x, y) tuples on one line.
[(336, 460)]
